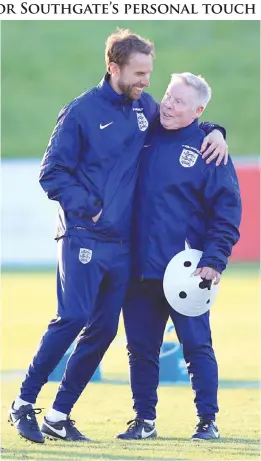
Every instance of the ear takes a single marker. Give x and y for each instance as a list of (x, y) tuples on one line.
[(199, 110), (114, 69)]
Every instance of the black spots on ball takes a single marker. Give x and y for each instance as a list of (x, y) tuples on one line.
[(205, 284), (187, 263), (183, 295)]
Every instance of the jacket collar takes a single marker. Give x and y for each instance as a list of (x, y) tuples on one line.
[(107, 92), (181, 133)]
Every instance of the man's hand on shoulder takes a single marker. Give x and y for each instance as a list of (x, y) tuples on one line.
[(215, 147)]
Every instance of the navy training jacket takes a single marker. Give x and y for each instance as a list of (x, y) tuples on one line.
[(180, 198), (91, 161)]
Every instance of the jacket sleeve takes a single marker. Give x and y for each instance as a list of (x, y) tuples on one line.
[(59, 164), (207, 127), (224, 209)]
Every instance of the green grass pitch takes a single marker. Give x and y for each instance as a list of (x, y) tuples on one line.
[(103, 409)]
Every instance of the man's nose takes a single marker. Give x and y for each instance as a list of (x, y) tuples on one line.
[(146, 80), (167, 103)]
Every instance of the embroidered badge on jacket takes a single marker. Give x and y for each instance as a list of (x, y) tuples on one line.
[(188, 158), (85, 255), (142, 121)]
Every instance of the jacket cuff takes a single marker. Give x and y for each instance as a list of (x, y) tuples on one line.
[(215, 126), (214, 263), (90, 211), (207, 127), (95, 208)]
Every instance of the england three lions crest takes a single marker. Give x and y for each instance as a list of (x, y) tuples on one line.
[(142, 121), (188, 158), (85, 255)]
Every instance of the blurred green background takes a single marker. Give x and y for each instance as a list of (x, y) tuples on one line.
[(45, 64)]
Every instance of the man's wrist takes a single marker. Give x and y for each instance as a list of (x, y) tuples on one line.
[(213, 263), (219, 128)]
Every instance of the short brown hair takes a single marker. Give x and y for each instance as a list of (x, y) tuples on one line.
[(122, 44)]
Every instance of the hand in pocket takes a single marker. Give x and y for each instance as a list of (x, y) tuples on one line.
[(96, 218)]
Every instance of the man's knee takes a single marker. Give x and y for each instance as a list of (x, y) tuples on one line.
[(108, 333), (103, 333), (71, 321), (139, 350), (193, 349)]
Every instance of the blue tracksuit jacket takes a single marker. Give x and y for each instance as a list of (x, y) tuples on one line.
[(91, 162), (180, 197)]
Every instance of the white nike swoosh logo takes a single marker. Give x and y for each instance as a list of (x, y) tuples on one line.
[(216, 434), (15, 422), (145, 434), (60, 432), (105, 126)]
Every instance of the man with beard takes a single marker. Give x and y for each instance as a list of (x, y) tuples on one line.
[(90, 167)]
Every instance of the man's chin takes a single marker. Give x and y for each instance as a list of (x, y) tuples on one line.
[(135, 97), (166, 125), (170, 125)]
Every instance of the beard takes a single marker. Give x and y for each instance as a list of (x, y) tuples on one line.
[(128, 90)]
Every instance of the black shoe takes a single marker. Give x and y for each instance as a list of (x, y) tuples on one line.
[(26, 423), (138, 429), (62, 430), (205, 430)]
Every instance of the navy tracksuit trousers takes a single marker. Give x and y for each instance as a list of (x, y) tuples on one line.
[(90, 297), (146, 312)]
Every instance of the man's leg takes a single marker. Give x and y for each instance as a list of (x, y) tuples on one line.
[(77, 288), (145, 316), (195, 336), (96, 337)]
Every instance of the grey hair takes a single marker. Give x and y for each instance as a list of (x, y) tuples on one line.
[(198, 83)]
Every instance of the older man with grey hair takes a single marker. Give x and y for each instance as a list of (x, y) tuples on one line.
[(179, 199)]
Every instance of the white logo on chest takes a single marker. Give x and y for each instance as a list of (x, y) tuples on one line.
[(105, 126), (188, 158), (142, 121), (85, 255)]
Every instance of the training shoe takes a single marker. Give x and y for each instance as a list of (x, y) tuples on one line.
[(138, 429), (62, 430), (205, 430), (26, 423)]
